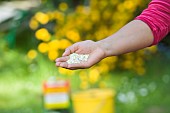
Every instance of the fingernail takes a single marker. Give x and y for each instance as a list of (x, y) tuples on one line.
[(63, 54)]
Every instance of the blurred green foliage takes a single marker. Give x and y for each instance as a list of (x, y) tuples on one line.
[(21, 78), (135, 94)]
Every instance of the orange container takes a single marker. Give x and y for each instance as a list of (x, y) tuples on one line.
[(56, 94)]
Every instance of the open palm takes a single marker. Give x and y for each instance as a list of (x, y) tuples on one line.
[(96, 54)]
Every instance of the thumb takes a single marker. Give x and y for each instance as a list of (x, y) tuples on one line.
[(70, 50), (67, 52)]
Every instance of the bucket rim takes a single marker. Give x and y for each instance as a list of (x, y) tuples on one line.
[(89, 96)]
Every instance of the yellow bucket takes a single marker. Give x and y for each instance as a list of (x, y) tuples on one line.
[(94, 101)]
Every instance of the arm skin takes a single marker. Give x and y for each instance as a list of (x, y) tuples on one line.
[(133, 36)]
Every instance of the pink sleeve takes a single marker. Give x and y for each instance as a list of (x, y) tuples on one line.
[(157, 17)]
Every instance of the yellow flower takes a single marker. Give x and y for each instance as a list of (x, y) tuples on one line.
[(140, 53), (83, 76), (87, 25), (32, 54), (73, 35), (99, 35), (140, 70), (139, 62), (114, 2), (102, 33), (84, 85), (33, 24), (64, 43), (107, 15), (127, 64), (114, 59), (79, 9), (42, 17), (120, 9), (129, 4), (95, 16), (52, 55), (152, 49), (104, 67), (103, 4), (43, 47), (129, 56), (110, 60), (102, 84), (54, 44), (94, 76), (51, 15), (59, 16), (65, 71), (43, 34), (63, 6), (93, 4)]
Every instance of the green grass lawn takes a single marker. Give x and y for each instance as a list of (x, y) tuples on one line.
[(21, 87)]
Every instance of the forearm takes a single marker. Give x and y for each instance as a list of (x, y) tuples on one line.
[(133, 36)]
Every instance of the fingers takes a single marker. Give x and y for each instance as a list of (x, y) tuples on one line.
[(81, 65), (62, 59), (67, 52), (71, 49), (62, 62), (80, 48)]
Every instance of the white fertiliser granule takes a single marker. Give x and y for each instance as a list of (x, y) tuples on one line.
[(77, 58)]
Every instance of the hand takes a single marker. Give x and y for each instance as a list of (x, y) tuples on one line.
[(92, 48)]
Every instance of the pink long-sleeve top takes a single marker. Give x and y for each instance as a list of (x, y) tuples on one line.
[(157, 17)]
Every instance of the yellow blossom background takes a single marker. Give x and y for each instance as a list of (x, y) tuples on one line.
[(32, 40), (96, 21)]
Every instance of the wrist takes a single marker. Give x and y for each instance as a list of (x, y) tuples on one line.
[(101, 45), (110, 45)]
